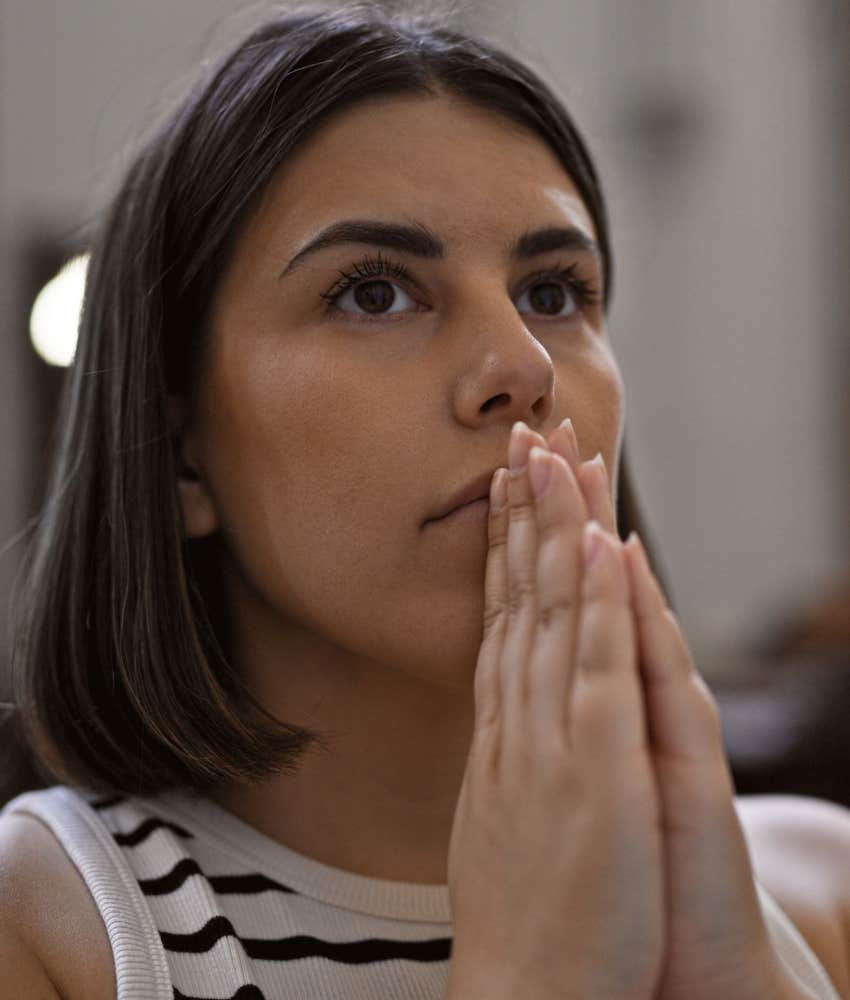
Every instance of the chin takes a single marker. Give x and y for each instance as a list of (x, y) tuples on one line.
[(447, 657)]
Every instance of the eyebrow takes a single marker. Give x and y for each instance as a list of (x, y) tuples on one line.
[(419, 241)]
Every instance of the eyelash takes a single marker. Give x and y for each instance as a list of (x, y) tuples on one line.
[(369, 268)]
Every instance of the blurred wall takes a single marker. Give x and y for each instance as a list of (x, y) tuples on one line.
[(721, 133)]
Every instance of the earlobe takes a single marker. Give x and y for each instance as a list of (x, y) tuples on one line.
[(196, 503), (199, 516)]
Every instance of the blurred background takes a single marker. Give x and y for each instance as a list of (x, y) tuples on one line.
[(722, 134)]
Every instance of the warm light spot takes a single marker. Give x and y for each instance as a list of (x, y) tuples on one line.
[(55, 315)]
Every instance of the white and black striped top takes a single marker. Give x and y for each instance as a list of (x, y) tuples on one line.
[(197, 904)]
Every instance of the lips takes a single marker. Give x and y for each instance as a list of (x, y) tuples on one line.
[(475, 489)]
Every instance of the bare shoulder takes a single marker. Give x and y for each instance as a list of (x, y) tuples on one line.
[(800, 850), (48, 919)]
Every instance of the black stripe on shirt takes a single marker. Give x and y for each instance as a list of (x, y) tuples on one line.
[(243, 993), (106, 803), (348, 952), (171, 881), (146, 828), (304, 946), (246, 884), (243, 885)]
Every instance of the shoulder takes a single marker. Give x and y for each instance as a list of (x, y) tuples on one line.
[(800, 851), (48, 919)]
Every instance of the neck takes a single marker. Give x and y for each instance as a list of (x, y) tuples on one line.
[(380, 801)]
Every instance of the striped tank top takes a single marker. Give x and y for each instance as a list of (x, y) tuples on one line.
[(198, 905)]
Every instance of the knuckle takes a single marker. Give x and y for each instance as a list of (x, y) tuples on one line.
[(553, 525), (494, 618), (521, 593), (498, 532), (522, 510), (592, 662), (557, 610)]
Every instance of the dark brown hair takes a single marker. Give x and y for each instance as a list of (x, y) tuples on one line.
[(123, 678)]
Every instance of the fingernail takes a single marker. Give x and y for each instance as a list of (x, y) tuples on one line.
[(636, 543), (592, 541), (566, 445), (599, 462), (499, 491), (539, 471), (518, 448)]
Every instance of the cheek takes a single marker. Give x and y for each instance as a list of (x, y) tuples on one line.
[(309, 480), (593, 397), (321, 499)]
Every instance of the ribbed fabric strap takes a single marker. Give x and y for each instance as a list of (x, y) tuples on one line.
[(789, 944), (141, 968)]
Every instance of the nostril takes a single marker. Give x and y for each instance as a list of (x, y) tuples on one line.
[(491, 402), (542, 407)]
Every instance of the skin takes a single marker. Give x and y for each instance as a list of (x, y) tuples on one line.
[(323, 443)]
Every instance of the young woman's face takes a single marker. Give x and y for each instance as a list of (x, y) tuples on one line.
[(337, 416)]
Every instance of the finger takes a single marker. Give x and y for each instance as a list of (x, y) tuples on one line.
[(694, 780), (488, 696), (561, 513), (534, 439), (521, 577), (563, 442), (606, 708), (596, 486), (487, 690), (683, 715)]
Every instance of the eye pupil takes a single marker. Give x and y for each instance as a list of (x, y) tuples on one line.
[(547, 298), (374, 296)]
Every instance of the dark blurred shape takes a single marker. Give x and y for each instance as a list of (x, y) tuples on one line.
[(42, 258), (665, 125), (787, 726), (19, 772)]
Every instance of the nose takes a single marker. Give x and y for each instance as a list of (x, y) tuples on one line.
[(508, 374)]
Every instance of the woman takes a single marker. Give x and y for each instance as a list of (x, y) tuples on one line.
[(359, 274)]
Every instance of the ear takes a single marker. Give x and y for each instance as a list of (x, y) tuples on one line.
[(200, 517)]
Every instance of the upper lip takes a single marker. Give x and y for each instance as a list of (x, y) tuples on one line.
[(475, 489)]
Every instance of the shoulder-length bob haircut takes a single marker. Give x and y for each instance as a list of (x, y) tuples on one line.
[(123, 678)]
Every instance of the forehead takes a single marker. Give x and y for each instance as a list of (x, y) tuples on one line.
[(472, 174)]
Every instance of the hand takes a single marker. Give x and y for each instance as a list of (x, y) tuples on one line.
[(555, 866), (717, 945)]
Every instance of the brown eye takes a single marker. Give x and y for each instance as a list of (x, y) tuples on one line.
[(548, 298), (374, 296)]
